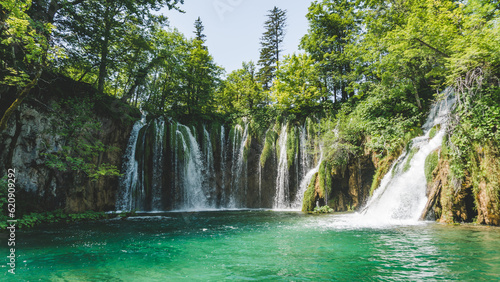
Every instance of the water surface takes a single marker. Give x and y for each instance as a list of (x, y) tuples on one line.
[(255, 245)]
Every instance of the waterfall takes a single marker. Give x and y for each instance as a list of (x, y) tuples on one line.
[(156, 182), (282, 197), (129, 180), (168, 165), (209, 169), (402, 193), (304, 183), (223, 165), (191, 173), (239, 167)]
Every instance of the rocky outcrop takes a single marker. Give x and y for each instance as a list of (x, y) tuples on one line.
[(474, 198), (342, 189), (30, 134)]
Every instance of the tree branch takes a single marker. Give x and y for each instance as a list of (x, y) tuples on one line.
[(24, 93), (429, 46)]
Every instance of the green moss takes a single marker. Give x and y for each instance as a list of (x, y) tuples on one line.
[(309, 201), (325, 179), (412, 153), (269, 145), (434, 131), (431, 163)]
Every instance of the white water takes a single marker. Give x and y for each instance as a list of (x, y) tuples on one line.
[(128, 182), (192, 178), (223, 164), (239, 167), (401, 197), (281, 200), (157, 184), (306, 180)]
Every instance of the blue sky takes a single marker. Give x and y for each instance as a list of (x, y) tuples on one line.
[(234, 27)]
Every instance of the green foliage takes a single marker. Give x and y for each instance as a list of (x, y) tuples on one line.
[(333, 26), (23, 43), (431, 163), (34, 219), (478, 122), (77, 135), (296, 86), (323, 209), (292, 145), (241, 93)]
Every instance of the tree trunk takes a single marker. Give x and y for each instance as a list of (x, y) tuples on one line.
[(104, 50)]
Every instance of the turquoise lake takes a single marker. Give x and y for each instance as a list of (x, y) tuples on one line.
[(255, 245)]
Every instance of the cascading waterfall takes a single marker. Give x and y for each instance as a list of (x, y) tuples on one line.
[(304, 183), (282, 198), (170, 166), (192, 178), (128, 182), (158, 145), (223, 165), (402, 193), (239, 166)]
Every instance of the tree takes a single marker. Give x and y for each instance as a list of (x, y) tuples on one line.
[(241, 92), (88, 30), (296, 85), (93, 30), (271, 46), (23, 53), (333, 25), (199, 28)]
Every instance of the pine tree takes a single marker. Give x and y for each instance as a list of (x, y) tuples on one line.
[(199, 28), (271, 46)]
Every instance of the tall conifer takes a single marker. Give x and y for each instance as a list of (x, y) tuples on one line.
[(271, 46)]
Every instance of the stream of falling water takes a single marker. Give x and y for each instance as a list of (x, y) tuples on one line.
[(401, 196), (130, 168), (281, 200)]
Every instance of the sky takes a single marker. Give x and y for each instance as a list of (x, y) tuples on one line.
[(234, 27)]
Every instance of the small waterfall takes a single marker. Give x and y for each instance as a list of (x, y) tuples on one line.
[(129, 180), (223, 165), (191, 172), (239, 167), (306, 180), (402, 193), (209, 169), (156, 182), (282, 198)]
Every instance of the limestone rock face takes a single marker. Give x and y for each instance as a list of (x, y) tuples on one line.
[(344, 189), (41, 188)]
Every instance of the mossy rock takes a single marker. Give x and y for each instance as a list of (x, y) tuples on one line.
[(434, 131), (431, 163), (309, 202), (271, 137)]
